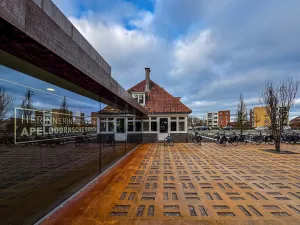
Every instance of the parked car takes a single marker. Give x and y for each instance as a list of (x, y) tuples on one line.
[(190, 128), (228, 128), (201, 128), (286, 127), (262, 128)]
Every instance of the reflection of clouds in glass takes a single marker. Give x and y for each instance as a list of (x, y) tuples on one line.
[(18, 83)]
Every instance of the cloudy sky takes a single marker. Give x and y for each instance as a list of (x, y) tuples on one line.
[(207, 52)]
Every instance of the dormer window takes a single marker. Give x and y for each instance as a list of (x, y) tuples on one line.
[(139, 97)]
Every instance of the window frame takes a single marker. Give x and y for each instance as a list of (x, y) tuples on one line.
[(139, 95)]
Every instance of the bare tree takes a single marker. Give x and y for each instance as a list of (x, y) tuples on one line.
[(27, 105), (64, 106), (65, 113), (241, 116), (193, 121), (278, 100), (6, 102)]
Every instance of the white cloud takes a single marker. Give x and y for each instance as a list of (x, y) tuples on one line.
[(192, 53), (207, 52)]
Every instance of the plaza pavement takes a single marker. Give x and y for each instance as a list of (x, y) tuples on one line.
[(192, 184)]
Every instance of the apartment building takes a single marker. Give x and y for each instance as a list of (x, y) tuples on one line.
[(259, 117), (212, 119), (223, 118)]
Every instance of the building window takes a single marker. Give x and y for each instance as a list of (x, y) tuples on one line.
[(181, 118), (181, 126), (153, 118), (135, 96), (173, 126), (111, 127), (153, 126), (130, 126), (103, 126), (146, 126), (138, 126), (139, 97), (173, 118), (130, 118)]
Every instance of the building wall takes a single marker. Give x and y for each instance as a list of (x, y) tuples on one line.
[(223, 118), (179, 137), (148, 134), (212, 119), (260, 117)]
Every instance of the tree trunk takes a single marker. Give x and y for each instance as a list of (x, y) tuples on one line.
[(277, 143)]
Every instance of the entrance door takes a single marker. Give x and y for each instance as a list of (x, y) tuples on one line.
[(163, 128), (120, 134)]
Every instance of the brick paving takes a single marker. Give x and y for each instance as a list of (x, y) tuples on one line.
[(191, 184)]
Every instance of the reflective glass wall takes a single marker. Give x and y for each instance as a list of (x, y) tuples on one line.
[(52, 143)]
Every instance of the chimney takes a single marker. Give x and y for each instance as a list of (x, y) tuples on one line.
[(147, 86)]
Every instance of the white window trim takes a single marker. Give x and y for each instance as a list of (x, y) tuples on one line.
[(142, 125), (138, 96)]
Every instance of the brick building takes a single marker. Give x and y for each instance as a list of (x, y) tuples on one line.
[(223, 118), (166, 115)]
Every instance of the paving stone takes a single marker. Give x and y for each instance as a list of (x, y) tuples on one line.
[(208, 184)]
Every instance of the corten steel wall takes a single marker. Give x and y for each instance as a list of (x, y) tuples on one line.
[(37, 32)]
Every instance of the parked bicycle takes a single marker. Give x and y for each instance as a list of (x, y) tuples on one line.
[(197, 138), (7, 140), (222, 140), (83, 139), (57, 140), (110, 140), (169, 141), (294, 138)]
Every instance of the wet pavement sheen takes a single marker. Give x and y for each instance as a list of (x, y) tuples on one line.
[(191, 184)]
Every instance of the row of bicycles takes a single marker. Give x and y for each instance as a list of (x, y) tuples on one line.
[(291, 138), (45, 140), (233, 139)]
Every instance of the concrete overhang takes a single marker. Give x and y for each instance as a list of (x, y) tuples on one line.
[(37, 39)]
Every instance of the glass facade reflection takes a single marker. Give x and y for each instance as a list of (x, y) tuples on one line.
[(52, 143)]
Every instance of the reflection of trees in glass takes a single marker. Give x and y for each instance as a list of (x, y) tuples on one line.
[(6, 102), (27, 104), (64, 106), (65, 113)]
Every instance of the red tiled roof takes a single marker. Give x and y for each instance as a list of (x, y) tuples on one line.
[(111, 110), (157, 100), (295, 120)]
